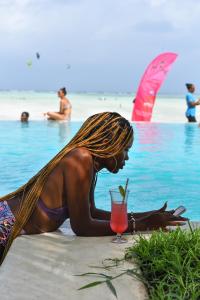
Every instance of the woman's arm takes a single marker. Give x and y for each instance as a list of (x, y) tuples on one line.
[(150, 220), (101, 214), (194, 103), (78, 176), (67, 109), (106, 215), (61, 107), (150, 212), (77, 189), (159, 220), (96, 212), (77, 192)]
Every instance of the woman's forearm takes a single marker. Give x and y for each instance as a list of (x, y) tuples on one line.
[(97, 227), (94, 227), (106, 215), (101, 214), (141, 214)]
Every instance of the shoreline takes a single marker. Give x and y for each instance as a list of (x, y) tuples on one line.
[(167, 109)]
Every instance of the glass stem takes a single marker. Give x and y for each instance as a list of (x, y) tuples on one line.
[(119, 236)]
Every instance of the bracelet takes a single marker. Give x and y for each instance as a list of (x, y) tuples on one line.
[(133, 222)]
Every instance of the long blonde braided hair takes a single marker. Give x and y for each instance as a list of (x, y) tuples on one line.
[(104, 135)]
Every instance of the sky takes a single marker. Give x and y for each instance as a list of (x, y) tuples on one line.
[(107, 43)]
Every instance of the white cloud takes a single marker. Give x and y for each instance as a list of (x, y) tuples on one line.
[(98, 20), (92, 34)]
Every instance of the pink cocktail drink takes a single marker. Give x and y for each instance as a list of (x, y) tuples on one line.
[(119, 220)]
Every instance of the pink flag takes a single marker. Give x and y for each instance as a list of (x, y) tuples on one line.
[(149, 85)]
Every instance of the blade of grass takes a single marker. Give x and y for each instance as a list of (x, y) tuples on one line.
[(92, 284), (111, 287)]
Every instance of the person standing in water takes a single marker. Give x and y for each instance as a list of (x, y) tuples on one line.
[(65, 108), (192, 102)]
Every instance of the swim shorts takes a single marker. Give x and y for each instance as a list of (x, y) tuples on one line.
[(191, 119)]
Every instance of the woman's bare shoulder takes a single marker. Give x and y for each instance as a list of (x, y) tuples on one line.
[(80, 151), (65, 100), (80, 156)]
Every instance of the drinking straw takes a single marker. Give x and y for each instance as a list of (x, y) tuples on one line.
[(126, 186)]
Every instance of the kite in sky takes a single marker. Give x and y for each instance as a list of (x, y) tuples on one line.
[(29, 63), (38, 55)]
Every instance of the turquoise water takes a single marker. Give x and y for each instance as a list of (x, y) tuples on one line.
[(163, 164)]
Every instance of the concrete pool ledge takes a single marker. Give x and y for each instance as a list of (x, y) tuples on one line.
[(43, 267)]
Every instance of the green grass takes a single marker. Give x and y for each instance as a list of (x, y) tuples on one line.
[(170, 264)]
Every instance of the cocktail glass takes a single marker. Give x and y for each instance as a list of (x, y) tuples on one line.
[(119, 218)]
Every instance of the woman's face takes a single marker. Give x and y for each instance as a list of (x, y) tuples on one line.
[(114, 164), (60, 94)]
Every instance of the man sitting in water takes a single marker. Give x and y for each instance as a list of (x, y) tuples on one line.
[(24, 116), (65, 108), (191, 103)]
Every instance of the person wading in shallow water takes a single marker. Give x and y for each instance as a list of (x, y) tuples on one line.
[(191, 102), (64, 188)]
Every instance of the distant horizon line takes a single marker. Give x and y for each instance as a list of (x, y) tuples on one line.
[(86, 92)]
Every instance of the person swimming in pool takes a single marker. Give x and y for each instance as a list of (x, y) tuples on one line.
[(65, 108), (64, 188), (24, 116)]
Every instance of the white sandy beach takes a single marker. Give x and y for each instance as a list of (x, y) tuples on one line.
[(167, 109)]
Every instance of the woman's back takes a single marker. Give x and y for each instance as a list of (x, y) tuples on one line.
[(52, 206)]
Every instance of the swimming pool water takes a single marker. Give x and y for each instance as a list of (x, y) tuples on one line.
[(163, 162)]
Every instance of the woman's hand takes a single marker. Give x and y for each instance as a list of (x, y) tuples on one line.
[(162, 219), (141, 215), (163, 209)]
